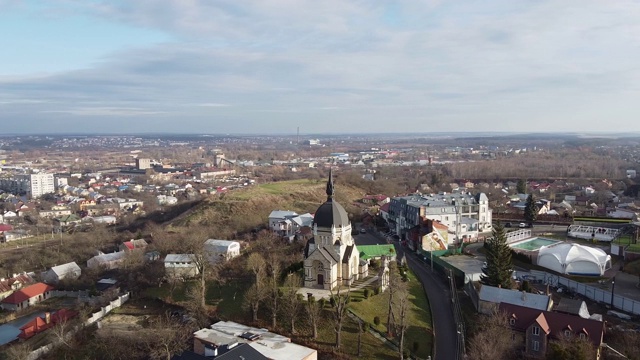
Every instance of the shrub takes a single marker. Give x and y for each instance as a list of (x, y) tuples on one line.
[(323, 303), (376, 290), (367, 293), (376, 320)]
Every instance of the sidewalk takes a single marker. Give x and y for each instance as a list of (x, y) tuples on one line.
[(325, 294)]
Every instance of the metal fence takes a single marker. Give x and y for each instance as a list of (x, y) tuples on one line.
[(588, 291)]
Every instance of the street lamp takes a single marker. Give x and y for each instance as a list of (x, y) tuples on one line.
[(613, 288)]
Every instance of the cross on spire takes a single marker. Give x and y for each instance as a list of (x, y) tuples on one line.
[(330, 189)]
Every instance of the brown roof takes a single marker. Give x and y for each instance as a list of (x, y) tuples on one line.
[(7, 285), (556, 323)]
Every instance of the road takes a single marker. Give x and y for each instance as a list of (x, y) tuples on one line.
[(444, 327)]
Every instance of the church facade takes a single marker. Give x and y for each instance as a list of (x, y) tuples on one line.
[(331, 257)]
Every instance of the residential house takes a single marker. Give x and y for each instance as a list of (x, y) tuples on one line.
[(107, 261), (14, 235), (27, 296), (180, 266), (69, 271), (133, 244), (288, 223), (384, 212), (539, 328), (225, 335), (18, 281), (491, 297), (376, 199), (49, 320), (221, 249)]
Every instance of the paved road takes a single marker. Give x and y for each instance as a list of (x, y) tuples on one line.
[(437, 291), (444, 326)]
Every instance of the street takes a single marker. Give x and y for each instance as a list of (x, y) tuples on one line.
[(444, 327)]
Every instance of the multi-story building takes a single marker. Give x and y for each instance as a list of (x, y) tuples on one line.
[(464, 214), (32, 185)]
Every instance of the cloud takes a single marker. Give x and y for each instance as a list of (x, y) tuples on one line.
[(271, 65)]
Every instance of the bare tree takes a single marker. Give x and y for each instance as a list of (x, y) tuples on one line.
[(19, 351), (256, 293), (339, 300), (62, 331), (170, 336), (401, 307), (394, 282), (274, 289), (492, 339), (291, 300), (313, 310), (252, 299)]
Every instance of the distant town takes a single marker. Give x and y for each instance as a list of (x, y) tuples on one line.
[(469, 246)]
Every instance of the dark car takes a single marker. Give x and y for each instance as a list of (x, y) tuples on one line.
[(507, 224), (363, 231)]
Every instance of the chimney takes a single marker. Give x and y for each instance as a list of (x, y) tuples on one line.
[(524, 295), (47, 317)]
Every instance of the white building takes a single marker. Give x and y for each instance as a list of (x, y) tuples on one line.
[(464, 214), (32, 185), (180, 266), (225, 335), (65, 271), (221, 249)]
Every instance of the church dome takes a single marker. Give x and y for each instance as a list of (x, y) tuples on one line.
[(331, 213)]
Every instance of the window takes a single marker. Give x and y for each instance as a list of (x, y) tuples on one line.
[(536, 330), (583, 336), (536, 346), (512, 322), (567, 333)]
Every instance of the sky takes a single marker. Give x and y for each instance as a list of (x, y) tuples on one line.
[(330, 66)]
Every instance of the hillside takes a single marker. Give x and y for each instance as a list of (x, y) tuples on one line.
[(243, 210)]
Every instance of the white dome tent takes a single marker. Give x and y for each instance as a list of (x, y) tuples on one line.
[(574, 259)]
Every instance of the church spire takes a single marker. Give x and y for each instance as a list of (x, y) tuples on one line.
[(330, 190)]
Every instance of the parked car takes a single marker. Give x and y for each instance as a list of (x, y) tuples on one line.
[(507, 224), (363, 231), (523, 225)]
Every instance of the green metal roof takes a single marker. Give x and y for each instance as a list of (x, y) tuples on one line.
[(372, 251)]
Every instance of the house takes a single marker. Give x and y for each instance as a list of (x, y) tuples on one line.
[(574, 307), (133, 244), (224, 336), (221, 249), (368, 252), (107, 261), (18, 281), (491, 297), (27, 296), (15, 235), (40, 324), (229, 352), (180, 266), (539, 328), (69, 271)]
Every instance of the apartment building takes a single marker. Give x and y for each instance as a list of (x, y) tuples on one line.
[(465, 215), (32, 185)]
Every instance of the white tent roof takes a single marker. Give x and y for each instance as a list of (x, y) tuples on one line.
[(560, 258)]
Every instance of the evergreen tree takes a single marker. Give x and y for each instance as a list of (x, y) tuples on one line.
[(521, 186), (530, 209), (499, 267)]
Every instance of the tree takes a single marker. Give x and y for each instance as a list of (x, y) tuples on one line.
[(313, 310), (521, 186), (394, 282), (253, 297), (20, 351), (257, 292), (401, 307), (291, 301), (492, 339), (499, 265), (170, 336), (274, 289), (571, 348), (340, 301), (530, 209)]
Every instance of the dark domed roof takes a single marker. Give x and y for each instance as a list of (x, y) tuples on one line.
[(331, 213)]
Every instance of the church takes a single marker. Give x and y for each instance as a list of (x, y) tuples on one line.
[(331, 257)]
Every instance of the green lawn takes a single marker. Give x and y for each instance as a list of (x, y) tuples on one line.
[(419, 316)]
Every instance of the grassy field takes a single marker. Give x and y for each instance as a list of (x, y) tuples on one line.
[(419, 316)]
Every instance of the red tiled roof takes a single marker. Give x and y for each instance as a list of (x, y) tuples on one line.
[(385, 207), (27, 293), (439, 225), (5, 227), (129, 245)]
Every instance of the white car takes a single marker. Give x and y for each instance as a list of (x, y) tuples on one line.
[(523, 225)]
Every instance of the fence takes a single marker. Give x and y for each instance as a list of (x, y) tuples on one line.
[(459, 319), (473, 293), (588, 291), (117, 302)]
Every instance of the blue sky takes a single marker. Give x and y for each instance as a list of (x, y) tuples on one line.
[(269, 66)]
